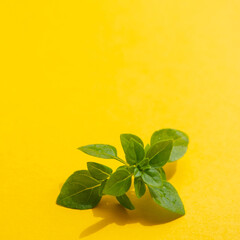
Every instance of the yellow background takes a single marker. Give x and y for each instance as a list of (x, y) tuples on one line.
[(80, 72)]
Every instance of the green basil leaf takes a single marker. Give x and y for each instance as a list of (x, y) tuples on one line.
[(162, 173), (159, 153), (139, 186), (144, 164), (130, 169), (122, 168), (152, 177), (80, 191), (137, 172), (83, 172), (128, 136), (133, 148), (137, 151), (146, 148), (100, 150), (99, 171), (119, 183), (102, 187), (125, 201), (180, 141), (168, 198)]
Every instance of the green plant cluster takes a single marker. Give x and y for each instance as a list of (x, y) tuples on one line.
[(85, 188)]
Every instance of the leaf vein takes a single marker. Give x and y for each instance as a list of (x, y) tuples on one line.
[(81, 191), (100, 170)]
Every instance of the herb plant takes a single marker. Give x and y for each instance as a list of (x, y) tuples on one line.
[(85, 188)]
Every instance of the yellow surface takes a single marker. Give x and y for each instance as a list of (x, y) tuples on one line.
[(81, 72)]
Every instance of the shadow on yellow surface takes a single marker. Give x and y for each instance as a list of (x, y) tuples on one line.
[(146, 212), (170, 169)]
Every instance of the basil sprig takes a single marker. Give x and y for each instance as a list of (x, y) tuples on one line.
[(84, 189)]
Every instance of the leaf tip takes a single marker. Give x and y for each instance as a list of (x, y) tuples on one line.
[(182, 211)]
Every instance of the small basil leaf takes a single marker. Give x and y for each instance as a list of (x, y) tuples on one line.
[(122, 167), (131, 169), (133, 148), (118, 183), (152, 177), (180, 141), (127, 137), (159, 153), (168, 198), (127, 168), (144, 163), (162, 173), (100, 150), (125, 201), (137, 172), (99, 171), (139, 150), (129, 151), (146, 148), (80, 191), (139, 186)]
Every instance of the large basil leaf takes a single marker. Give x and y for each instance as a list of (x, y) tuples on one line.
[(100, 150), (99, 171), (180, 141), (125, 201), (167, 197), (133, 148), (159, 153), (119, 183), (80, 191)]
